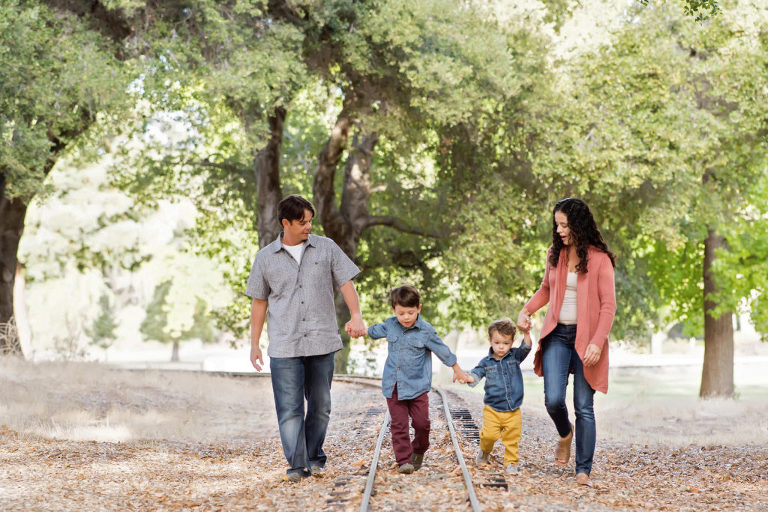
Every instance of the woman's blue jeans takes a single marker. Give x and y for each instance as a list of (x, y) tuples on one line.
[(293, 380), (558, 358)]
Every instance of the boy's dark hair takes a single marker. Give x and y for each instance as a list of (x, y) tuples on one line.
[(503, 326), (292, 208), (406, 296)]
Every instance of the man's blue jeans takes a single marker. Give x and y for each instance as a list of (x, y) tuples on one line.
[(558, 358), (293, 380)]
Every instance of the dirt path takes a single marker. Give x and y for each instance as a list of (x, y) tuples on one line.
[(85, 438)]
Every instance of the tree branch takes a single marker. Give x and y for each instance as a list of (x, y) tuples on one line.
[(400, 225)]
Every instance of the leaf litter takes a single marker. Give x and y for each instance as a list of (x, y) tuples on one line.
[(207, 470)]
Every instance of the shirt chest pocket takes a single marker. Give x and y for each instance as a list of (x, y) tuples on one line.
[(316, 269), (492, 374), (413, 345), (513, 368)]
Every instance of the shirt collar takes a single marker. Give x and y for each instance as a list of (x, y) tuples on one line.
[(278, 243)]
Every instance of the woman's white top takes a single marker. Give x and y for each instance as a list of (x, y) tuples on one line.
[(568, 311)]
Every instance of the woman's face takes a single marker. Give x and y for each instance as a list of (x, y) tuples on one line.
[(561, 220)]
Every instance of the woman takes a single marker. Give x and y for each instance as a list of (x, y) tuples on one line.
[(578, 285)]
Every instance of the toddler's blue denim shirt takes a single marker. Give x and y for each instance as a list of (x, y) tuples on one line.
[(409, 358), (503, 379)]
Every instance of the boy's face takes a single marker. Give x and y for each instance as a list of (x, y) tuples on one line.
[(501, 344), (407, 315)]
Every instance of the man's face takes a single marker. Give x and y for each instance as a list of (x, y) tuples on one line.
[(297, 231), (501, 344), (407, 315)]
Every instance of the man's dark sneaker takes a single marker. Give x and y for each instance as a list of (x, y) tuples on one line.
[(296, 476), (317, 471), (417, 459), (406, 468)]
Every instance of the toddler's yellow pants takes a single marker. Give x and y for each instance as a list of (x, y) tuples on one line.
[(504, 425)]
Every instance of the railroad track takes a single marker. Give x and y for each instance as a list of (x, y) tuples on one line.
[(457, 419), (466, 477)]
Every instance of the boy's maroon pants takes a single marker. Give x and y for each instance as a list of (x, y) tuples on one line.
[(399, 410)]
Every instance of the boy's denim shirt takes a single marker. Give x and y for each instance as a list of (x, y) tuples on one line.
[(409, 358), (503, 379)]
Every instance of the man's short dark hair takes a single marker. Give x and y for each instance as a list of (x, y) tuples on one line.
[(292, 208), (503, 326), (405, 296)]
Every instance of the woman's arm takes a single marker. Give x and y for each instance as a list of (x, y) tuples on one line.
[(607, 296), (539, 299)]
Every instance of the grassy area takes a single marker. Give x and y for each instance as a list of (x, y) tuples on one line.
[(660, 405)]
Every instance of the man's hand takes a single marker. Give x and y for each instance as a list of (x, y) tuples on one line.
[(356, 327), (592, 355), (256, 359)]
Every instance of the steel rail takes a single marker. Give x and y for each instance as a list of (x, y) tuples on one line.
[(454, 438), (374, 464)]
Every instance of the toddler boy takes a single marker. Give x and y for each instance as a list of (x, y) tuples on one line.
[(503, 392)]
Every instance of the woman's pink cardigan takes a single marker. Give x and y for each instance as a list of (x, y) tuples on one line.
[(596, 306)]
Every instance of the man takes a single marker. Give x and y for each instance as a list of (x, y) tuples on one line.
[(292, 280)]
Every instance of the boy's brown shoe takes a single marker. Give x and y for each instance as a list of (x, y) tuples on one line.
[(406, 468), (418, 460)]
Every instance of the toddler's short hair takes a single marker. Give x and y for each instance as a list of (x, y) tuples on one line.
[(503, 326), (406, 296)]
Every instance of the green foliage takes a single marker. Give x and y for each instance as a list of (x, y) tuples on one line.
[(56, 75), (153, 325), (102, 332), (158, 324), (482, 128), (700, 10)]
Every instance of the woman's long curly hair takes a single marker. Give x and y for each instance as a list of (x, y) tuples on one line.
[(583, 229)]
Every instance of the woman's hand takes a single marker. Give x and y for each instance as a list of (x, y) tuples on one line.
[(592, 355), (524, 321)]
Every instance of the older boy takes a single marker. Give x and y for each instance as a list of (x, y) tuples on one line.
[(408, 374), (503, 392)]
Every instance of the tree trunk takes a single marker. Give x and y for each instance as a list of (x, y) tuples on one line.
[(717, 374), (267, 170), (20, 311), (344, 225), (334, 224), (12, 212), (175, 352)]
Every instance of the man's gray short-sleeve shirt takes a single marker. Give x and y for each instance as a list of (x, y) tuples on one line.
[(301, 315)]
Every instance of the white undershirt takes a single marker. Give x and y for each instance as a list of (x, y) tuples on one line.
[(568, 311), (296, 251)]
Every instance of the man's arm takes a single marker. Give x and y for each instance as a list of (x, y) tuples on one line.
[(258, 315), (356, 326)]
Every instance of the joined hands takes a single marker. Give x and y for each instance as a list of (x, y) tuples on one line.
[(356, 327)]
